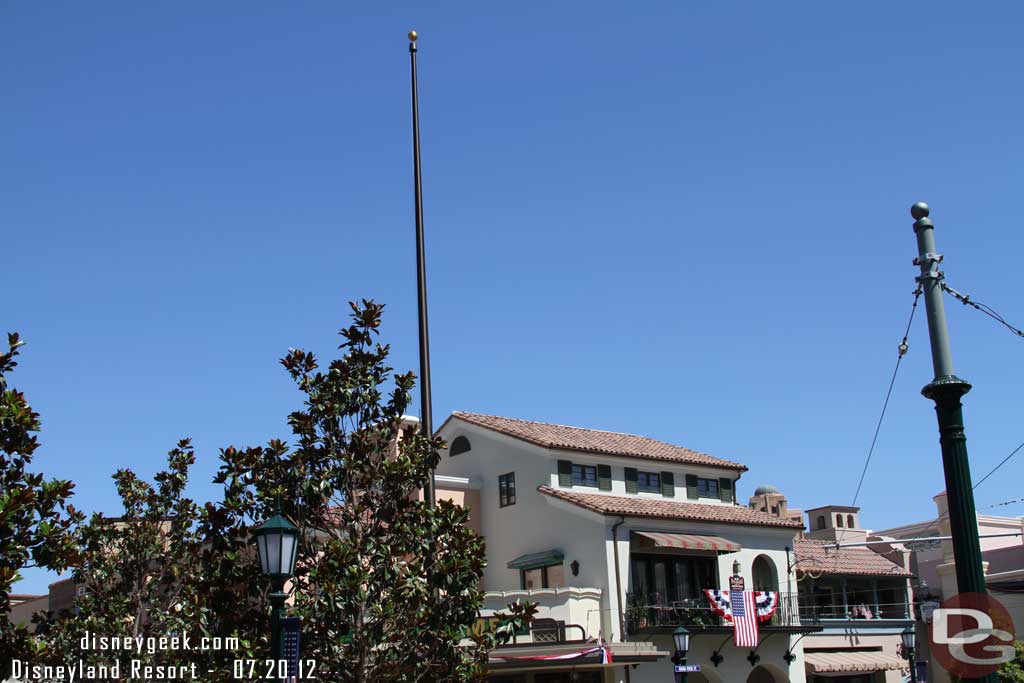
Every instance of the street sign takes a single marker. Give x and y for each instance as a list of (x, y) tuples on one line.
[(291, 637), (687, 668)]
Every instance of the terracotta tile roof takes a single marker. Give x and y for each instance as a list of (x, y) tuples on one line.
[(631, 506), (593, 440), (812, 556)]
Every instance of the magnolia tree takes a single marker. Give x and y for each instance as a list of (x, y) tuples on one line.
[(35, 517), (386, 586), (142, 575)]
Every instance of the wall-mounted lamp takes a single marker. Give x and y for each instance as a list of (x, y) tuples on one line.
[(736, 569), (575, 567)]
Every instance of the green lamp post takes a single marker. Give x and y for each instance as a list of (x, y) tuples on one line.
[(908, 636), (681, 638), (277, 542)]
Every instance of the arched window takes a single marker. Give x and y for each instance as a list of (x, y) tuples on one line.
[(459, 446), (839, 521), (849, 521), (764, 574), (821, 521)]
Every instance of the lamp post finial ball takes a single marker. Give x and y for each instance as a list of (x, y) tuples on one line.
[(919, 210), (413, 35)]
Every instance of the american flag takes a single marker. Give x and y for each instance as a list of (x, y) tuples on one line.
[(744, 618)]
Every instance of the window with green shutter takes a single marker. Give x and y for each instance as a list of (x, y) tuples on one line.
[(725, 489), (707, 488), (604, 477), (668, 485), (631, 485), (584, 475), (691, 487), (565, 473)]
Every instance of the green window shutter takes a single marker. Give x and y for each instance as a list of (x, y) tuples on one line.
[(604, 477), (691, 486), (564, 473), (725, 489), (630, 480), (668, 485)]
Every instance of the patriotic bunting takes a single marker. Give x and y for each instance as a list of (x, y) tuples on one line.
[(744, 609), (602, 652)]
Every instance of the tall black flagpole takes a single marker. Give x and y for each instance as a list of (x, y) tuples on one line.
[(426, 421)]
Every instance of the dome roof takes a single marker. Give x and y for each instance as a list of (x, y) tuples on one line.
[(765, 488)]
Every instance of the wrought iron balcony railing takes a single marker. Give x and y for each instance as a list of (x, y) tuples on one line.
[(650, 611)]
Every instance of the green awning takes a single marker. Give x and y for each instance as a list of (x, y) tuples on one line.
[(535, 560)]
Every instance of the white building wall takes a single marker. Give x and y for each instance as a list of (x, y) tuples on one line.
[(734, 668), (538, 522)]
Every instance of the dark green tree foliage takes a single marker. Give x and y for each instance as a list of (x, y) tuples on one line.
[(1013, 672), (35, 517), (136, 574), (386, 586)]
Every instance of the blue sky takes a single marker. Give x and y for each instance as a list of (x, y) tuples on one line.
[(684, 220)]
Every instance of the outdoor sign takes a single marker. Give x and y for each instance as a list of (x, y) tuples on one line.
[(687, 668), (290, 641), (927, 608), (736, 583)]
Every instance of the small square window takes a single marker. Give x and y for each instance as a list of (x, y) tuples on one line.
[(707, 488), (648, 481), (507, 489), (584, 475), (551, 576)]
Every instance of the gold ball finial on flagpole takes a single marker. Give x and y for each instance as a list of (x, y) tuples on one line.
[(413, 35)]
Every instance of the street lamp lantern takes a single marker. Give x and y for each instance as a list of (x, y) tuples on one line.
[(277, 541), (682, 640), (908, 636)]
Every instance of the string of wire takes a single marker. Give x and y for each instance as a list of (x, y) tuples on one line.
[(966, 300), (1005, 460), (901, 351)]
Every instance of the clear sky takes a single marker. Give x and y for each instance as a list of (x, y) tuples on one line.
[(680, 219)]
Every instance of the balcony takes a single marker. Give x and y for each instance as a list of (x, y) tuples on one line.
[(649, 613), (868, 604), (564, 615)]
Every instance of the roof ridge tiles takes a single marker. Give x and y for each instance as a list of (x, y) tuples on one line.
[(586, 439), (630, 506)]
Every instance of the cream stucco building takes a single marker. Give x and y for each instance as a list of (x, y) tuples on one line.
[(615, 536)]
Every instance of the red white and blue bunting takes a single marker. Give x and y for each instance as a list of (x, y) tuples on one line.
[(744, 609), (602, 652)]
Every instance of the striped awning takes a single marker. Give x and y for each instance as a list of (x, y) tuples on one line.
[(838, 661), (659, 539)]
